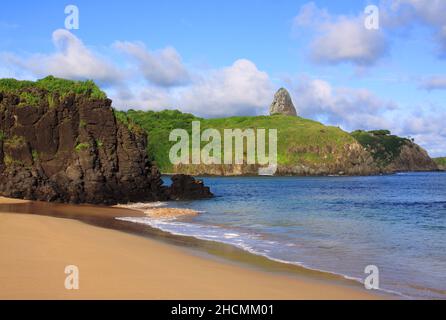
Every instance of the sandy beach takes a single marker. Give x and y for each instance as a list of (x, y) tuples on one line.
[(34, 251)]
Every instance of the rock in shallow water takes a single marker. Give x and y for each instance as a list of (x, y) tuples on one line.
[(185, 187)]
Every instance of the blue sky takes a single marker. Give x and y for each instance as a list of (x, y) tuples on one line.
[(222, 58)]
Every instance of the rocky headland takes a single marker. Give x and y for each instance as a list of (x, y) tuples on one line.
[(60, 141)]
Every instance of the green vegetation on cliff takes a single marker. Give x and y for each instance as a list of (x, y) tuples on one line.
[(383, 146), (158, 126), (441, 162), (27, 90), (15, 142), (82, 146), (299, 140)]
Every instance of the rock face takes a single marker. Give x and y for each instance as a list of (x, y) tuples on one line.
[(441, 163), (75, 151), (412, 158), (352, 159), (282, 104), (185, 187)]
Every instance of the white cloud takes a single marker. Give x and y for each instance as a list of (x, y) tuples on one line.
[(346, 40), (160, 79), (240, 89), (427, 127), (429, 11), (163, 67), (72, 60), (406, 13), (310, 16), (340, 39), (346, 107), (434, 83)]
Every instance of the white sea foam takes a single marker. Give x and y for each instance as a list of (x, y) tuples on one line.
[(231, 235), (142, 206)]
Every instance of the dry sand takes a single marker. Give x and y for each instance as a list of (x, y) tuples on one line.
[(4, 200), (34, 251)]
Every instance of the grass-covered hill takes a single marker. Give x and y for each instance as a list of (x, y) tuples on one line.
[(303, 145), (158, 126), (441, 162)]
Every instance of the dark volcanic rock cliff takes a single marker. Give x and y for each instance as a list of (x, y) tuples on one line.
[(72, 149)]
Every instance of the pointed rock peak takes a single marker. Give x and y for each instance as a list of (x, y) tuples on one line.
[(282, 104)]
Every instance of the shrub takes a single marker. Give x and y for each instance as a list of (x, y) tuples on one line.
[(441, 161), (128, 122), (82, 146), (52, 103), (51, 85), (28, 99), (35, 155), (9, 161), (15, 142), (380, 132)]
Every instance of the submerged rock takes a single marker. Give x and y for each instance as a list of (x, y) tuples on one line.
[(282, 104)]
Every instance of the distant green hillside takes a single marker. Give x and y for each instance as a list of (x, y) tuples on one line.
[(28, 90), (158, 126), (383, 146), (299, 140), (441, 162)]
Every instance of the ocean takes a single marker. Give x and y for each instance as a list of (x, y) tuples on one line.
[(338, 225)]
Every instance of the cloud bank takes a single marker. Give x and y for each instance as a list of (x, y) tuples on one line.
[(339, 39), (155, 79), (163, 67), (71, 59)]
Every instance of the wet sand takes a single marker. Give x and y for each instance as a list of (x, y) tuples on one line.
[(35, 249)]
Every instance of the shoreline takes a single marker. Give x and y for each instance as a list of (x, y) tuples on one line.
[(295, 282), (199, 176)]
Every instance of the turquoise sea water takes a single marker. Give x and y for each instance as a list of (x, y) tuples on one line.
[(335, 224)]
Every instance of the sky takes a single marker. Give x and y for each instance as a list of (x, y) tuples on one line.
[(225, 58)]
